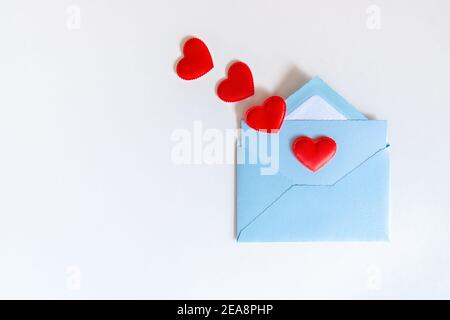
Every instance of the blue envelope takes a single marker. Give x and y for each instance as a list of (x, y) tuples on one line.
[(346, 200)]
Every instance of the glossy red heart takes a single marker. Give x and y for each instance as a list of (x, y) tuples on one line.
[(314, 153), (238, 85), (196, 60), (268, 117)]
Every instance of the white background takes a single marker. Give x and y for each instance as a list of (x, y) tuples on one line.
[(91, 205)]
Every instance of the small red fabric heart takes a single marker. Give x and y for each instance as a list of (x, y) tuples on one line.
[(268, 117), (238, 85), (314, 153), (196, 60)]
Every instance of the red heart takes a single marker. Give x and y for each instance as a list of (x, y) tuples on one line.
[(314, 153), (268, 117), (197, 60), (238, 85)]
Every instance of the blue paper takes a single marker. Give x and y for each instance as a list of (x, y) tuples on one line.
[(346, 200)]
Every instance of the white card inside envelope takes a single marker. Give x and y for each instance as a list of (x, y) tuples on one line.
[(315, 108)]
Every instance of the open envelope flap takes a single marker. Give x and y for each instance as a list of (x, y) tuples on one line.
[(357, 140), (318, 88)]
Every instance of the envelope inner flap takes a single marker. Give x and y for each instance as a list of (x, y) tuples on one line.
[(357, 141)]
